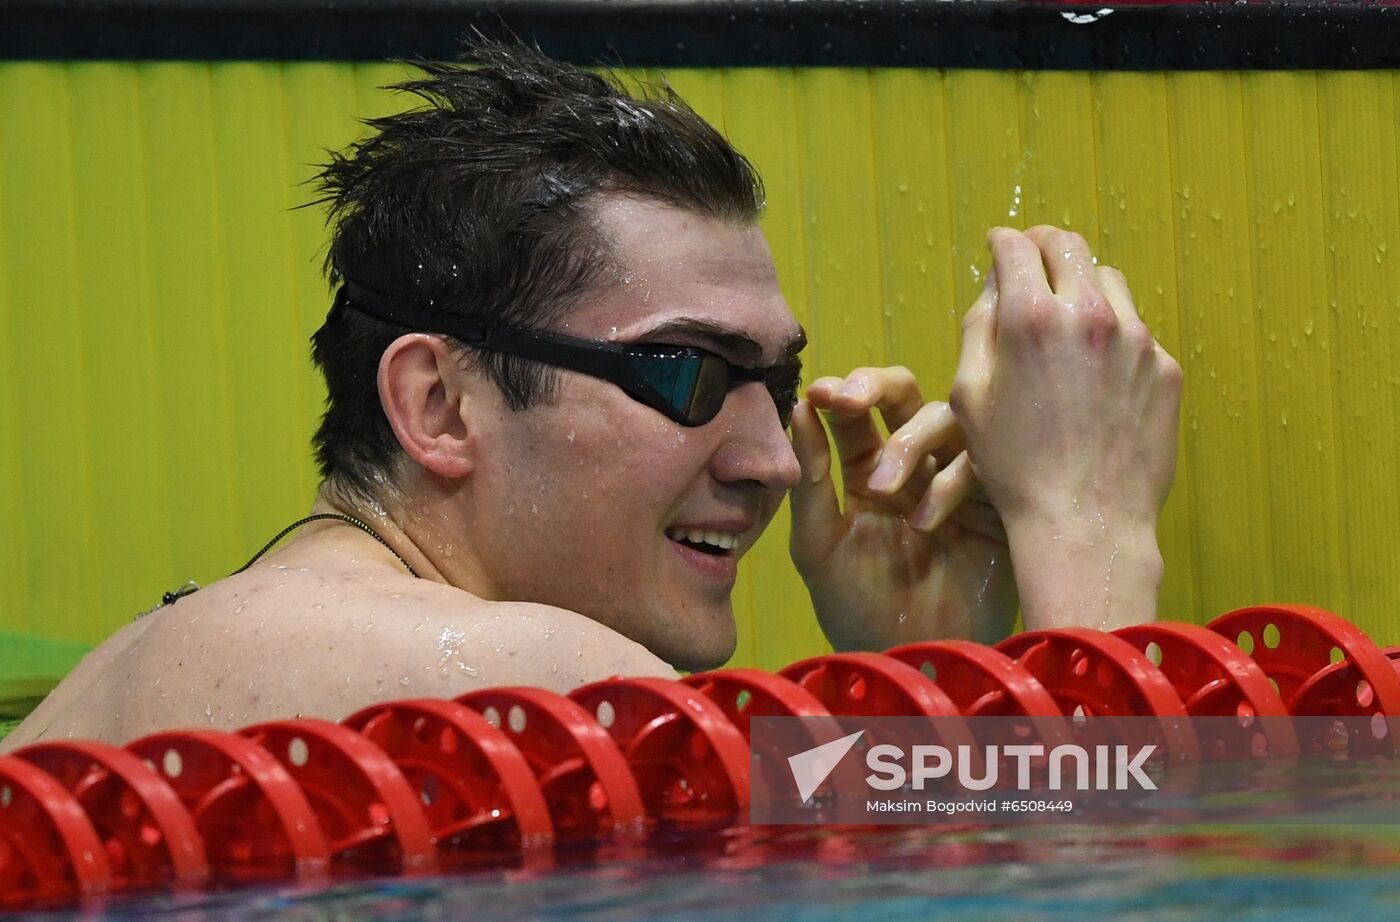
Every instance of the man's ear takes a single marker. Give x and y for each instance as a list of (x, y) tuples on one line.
[(420, 390)]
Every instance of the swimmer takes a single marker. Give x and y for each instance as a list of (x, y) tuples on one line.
[(564, 399)]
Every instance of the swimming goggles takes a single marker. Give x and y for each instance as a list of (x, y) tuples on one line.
[(685, 383)]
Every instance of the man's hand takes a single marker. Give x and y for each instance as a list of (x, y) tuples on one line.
[(908, 555), (1069, 408)]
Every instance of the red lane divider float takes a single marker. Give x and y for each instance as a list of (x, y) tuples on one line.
[(691, 764), (373, 821), (255, 820), (590, 792), (477, 789), (500, 775), (743, 694), (147, 835), (873, 685), (1215, 678), (1091, 674), (983, 682), (870, 685), (1293, 643), (50, 854)]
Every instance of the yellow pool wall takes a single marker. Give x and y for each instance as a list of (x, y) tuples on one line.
[(158, 286)]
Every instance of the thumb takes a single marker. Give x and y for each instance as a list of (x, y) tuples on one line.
[(816, 513), (978, 342)]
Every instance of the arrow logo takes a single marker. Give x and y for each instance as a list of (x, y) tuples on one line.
[(815, 765)]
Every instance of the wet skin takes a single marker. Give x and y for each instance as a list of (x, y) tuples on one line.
[(517, 521), (557, 545)]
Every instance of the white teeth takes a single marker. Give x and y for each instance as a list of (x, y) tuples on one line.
[(720, 539)]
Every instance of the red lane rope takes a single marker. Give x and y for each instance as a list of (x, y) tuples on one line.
[(371, 816), (690, 763), (255, 820), (149, 838), (501, 775), (590, 792), (478, 791)]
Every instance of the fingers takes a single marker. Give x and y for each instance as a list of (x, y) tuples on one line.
[(1112, 284), (975, 362), (1069, 263), (891, 391), (949, 488), (1018, 265), (980, 518), (816, 513), (910, 445)]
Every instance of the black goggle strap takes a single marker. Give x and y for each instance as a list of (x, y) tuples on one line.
[(609, 361)]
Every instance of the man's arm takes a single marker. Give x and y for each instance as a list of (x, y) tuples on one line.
[(1069, 408)]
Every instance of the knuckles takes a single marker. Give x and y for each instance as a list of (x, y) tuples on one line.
[(1096, 319), (900, 379), (1066, 240), (962, 398), (1037, 316), (1114, 275), (1137, 338), (1170, 373)]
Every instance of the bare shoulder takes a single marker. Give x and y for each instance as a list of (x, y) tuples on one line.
[(280, 642), (79, 684), (326, 644), (515, 643)]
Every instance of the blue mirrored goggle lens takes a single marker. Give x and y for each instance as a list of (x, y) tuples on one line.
[(694, 386)]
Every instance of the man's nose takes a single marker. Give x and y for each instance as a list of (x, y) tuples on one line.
[(755, 445)]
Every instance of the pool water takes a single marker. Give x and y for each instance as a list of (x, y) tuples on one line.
[(1253, 841), (1027, 873)]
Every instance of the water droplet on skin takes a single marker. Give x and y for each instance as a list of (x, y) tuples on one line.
[(403, 681)]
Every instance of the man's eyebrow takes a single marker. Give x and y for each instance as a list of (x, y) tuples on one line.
[(741, 346)]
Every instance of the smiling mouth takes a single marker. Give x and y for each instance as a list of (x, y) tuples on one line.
[(714, 543)]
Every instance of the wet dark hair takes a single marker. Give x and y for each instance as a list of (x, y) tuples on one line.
[(476, 203)]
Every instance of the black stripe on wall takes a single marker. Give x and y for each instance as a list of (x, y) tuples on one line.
[(723, 33)]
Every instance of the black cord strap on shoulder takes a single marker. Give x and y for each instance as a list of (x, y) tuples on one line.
[(347, 519)]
